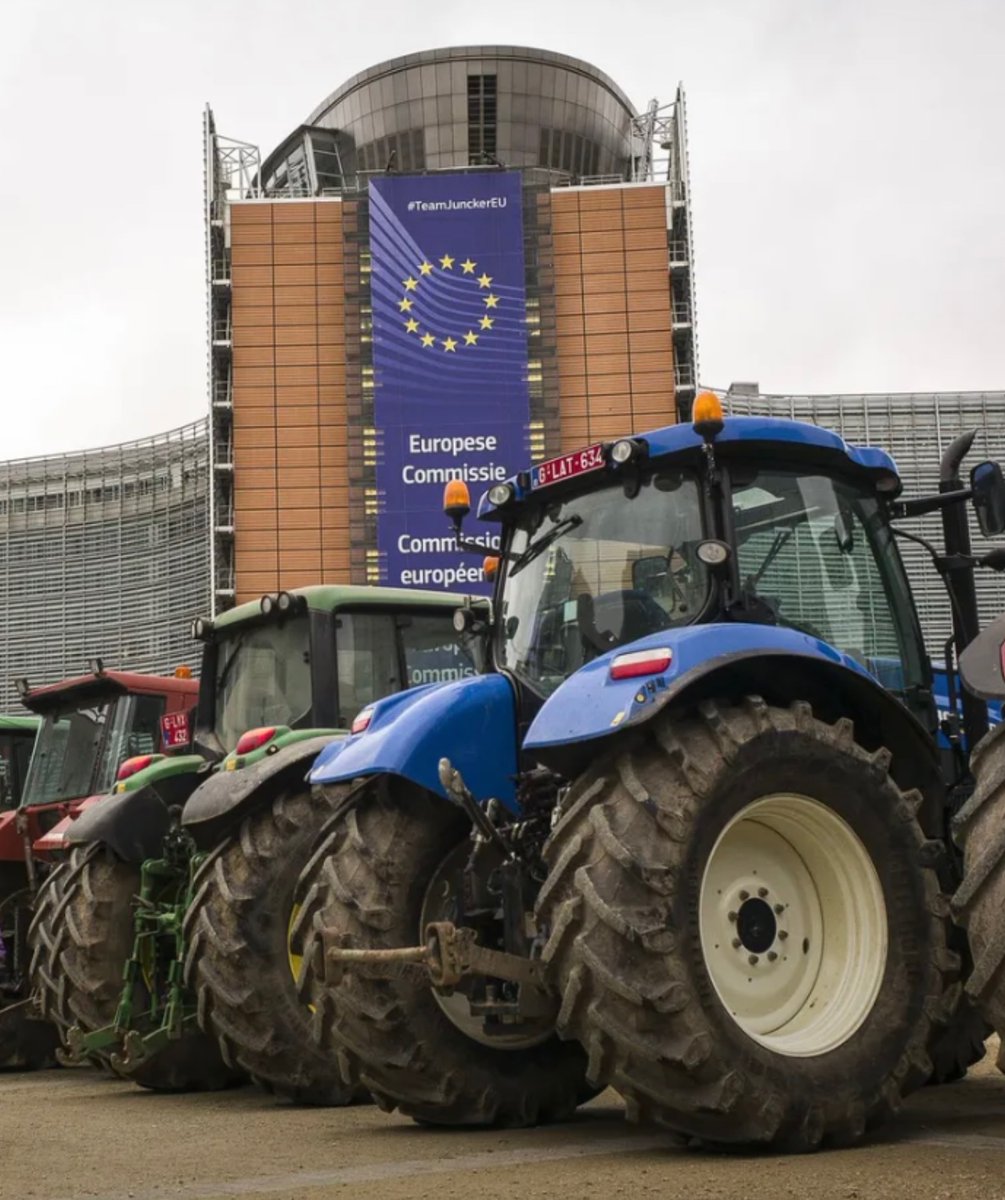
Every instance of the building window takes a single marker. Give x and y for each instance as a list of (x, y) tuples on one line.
[(481, 118)]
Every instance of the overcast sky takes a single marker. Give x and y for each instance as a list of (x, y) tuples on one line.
[(848, 181)]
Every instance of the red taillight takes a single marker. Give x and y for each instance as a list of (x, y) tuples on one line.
[(641, 662), (132, 766), (362, 721), (254, 739)]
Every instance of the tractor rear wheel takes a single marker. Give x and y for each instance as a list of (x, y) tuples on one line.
[(239, 962), (387, 866), (84, 982), (980, 901), (746, 929)]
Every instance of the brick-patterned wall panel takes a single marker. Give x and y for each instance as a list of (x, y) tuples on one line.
[(612, 311), (291, 499)]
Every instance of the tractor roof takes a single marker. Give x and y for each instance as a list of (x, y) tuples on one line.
[(105, 685), (774, 436), (10, 724), (331, 597)]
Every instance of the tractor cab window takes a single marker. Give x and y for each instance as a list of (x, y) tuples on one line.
[(66, 752), (382, 653), (263, 677), (815, 554), (134, 728), (592, 572)]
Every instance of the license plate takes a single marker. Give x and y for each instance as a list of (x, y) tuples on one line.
[(580, 462), (174, 730)]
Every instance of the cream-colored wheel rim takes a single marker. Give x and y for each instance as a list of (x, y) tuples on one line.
[(793, 925)]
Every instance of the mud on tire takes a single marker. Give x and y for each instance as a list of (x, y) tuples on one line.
[(93, 923), (238, 963), (369, 879), (627, 862), (980, 901)]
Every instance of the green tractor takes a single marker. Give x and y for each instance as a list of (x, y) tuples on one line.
[(176, 899)]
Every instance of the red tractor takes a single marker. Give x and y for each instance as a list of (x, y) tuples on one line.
[(93, 728)]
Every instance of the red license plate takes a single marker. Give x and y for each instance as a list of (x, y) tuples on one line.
[(174, 730), (568, 466)]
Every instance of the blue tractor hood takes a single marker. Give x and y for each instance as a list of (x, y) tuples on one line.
[(470, 721), (590, 704)]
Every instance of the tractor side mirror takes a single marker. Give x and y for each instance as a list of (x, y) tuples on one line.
[(988, 486)]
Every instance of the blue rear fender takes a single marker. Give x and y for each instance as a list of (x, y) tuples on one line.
[(591, 705), (471, 721)]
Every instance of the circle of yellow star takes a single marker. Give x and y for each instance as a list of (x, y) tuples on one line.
[(484, 280), (412, 325), (428, 339), (410, 284), (491, 301), (470, 339), (449, 344), (468, 267), (425, 268), (404, 304), (485, 322), (446, 262)]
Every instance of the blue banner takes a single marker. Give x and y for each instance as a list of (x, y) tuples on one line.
[(450, 362)]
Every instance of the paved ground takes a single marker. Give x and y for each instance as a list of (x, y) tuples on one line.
[(78, 1134)]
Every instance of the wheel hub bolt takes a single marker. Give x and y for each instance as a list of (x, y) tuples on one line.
[(733, 916), (737, 943), (779, 909), (753, 960), (762, 892), (783, 934), (772, 956), (744, 895)]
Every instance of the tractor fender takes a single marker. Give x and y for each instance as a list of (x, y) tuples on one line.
[(471, 721), (133, 822), (590, 711), (227, 796), (982, 664)]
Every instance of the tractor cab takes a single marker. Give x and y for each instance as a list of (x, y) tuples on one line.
[(17, 736), (775, 524), (92, 728)]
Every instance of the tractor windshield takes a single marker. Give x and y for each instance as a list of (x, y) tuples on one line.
[(263, 677), (80, 747), (815, 554), (591, 572)]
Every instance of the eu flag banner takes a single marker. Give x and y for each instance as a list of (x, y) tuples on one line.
[(450, 361)]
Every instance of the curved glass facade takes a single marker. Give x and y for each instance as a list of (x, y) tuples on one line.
[(103, 553), (459, 107)]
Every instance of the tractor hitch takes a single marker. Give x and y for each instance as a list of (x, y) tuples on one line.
[(449, 954)]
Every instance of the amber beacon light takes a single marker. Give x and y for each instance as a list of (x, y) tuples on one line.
[(706, 415), (456, 501)]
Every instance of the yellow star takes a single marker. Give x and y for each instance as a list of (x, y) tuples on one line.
[(468, 267), (425, 268), (449, 344), (410, 284), (446, 262), (484, 280), (470, 339), (412, 325), (405, 304), (491, 301), (485, 322), (428, 339)]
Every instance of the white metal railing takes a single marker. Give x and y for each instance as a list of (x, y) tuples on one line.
[(681, 312), (678, 251), (220, 270), (683, 374), (223, 396), (222, 331)]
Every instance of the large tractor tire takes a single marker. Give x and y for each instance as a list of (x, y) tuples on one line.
[(239, 962), (745, 923), (980, 901), (83, 982), (381, 874)]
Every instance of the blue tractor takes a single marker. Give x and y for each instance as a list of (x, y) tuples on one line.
[(689, 835)]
